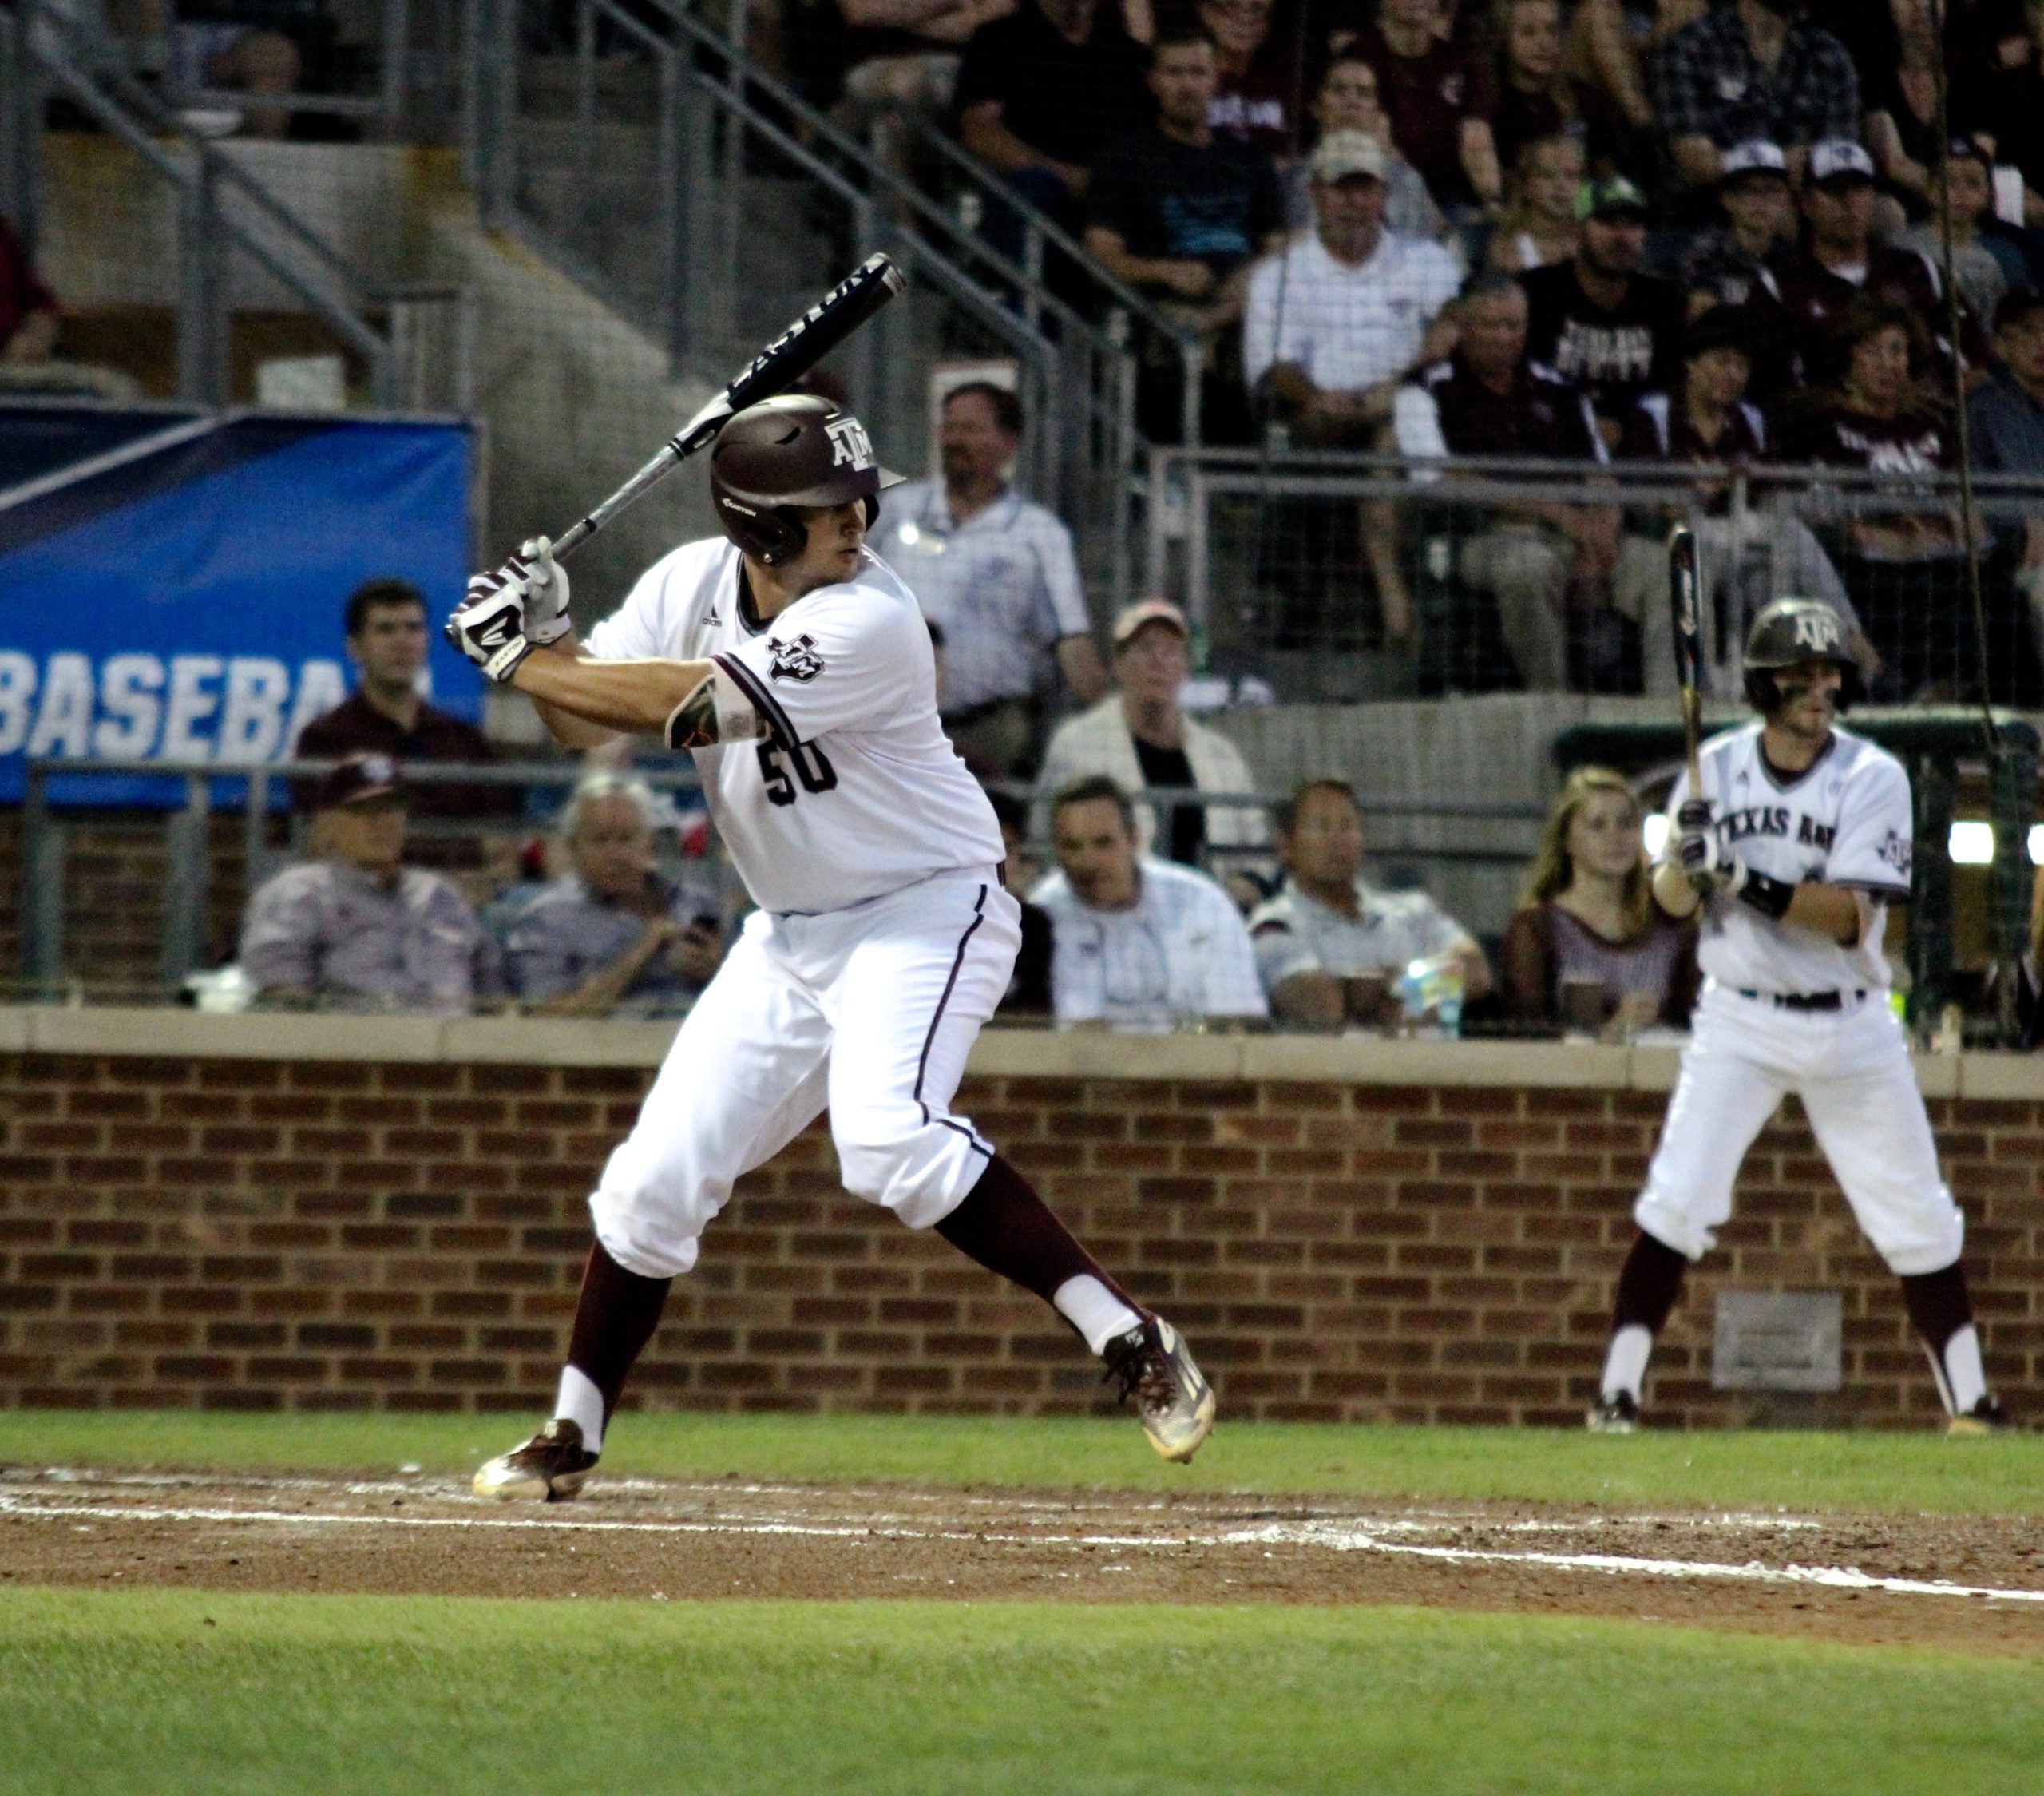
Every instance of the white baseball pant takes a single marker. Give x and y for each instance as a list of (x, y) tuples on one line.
[(870, 1010), (1850, 1068)]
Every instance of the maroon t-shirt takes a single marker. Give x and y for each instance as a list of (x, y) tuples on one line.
[(21, 292), (1426, 98)]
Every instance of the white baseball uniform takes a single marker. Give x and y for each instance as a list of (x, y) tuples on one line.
[(1846, 820), (883, 938)]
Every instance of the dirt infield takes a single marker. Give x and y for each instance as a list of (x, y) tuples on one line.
[(1974, 1584)]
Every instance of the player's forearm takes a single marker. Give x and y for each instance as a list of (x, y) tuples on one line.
[(615, 694), (1672, 891), (1830, 911)]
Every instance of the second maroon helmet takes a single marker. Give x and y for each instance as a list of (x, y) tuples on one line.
[(796, 450)]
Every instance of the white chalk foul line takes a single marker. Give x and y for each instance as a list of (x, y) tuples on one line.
[(1333, 1538)]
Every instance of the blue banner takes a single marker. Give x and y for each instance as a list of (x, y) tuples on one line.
[(175, 592)]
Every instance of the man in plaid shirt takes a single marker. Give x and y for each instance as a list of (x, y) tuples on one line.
[(1757, 68)]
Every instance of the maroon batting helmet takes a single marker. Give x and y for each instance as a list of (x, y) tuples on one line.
[(793, 451)]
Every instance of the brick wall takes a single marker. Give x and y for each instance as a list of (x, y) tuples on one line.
[(267, 1234)]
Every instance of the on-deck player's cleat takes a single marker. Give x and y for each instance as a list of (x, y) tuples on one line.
[(1617, 1413), (549, 1469), (1173, 1399), (1987, 1417)]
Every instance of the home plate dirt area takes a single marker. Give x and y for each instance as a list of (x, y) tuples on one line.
[(1966, 1582)]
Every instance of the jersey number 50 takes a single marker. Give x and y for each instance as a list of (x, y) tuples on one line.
[(812, 767)]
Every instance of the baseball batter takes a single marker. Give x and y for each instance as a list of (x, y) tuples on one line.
[(1796, 844), (796, 666)]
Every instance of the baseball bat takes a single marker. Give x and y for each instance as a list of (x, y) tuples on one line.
[(1688, 645), (774, 369)]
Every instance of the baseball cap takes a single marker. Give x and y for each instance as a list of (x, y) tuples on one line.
[(1342, 154), (1755, 156), (1608, 196), (1150, 611), (1721, 327), (1839, 159), (357, 780)]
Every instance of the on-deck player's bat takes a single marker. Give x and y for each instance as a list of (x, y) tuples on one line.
[(1688, 644), (774, 369)]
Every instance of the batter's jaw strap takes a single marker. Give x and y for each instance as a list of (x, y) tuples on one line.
[(716, 710)]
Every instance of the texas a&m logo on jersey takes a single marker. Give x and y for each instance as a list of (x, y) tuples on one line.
[(849, 444), (1895, 848), (797, 660)]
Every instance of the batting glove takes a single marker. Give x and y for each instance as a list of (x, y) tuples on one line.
[(489, 627), (546, 591)]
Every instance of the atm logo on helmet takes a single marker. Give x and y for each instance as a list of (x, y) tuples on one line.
[(850, 443), (1816, 630)]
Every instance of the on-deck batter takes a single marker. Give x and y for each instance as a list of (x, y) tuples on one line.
[(799, 669), (1797, 843)]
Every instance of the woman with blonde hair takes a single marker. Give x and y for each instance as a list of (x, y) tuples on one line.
[(1587, 935), (1538, 224)]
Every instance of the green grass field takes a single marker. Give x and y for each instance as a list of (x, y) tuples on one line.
[(155, 1692), (1918, 1473)]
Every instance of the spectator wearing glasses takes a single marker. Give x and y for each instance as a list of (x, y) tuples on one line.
[(994, 572), (1137, 944), (356, 929), (614, 932)]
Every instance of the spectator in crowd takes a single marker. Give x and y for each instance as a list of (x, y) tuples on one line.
[(1347, 100), (30, 323), (354, 928), (1330, 947), (1178, 213), (2008, 69), (2005, 424), (1757, 68), (1042, 91), (1588, 948), (1254, 97), (1336, 321), (1899, 88), (1733, 263), (1765, 552), (1610, 43), (1140, 736), (1028, 994), (1532, 98), (1137, 943), (1905, 568), (385, 622), (614, 932), (1962, 198), (1840, 261), (241, 44), (994, 572), (1537, 227), (902, 55), (1438, 100), (1599, 320), (1486, 400)]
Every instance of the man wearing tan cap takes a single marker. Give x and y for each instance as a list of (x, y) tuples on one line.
[(1139, 737)]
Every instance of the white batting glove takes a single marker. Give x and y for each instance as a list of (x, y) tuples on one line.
[(546, 591), (488, 626), (1707, 863)]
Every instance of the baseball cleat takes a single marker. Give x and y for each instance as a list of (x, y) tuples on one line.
[(1173, 1399), (548, 1469), (1617, 1413), (1987, 1417)]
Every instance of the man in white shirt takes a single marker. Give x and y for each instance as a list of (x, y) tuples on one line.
[(1327, 926), (795, 666), (1137, 943), (1140, 736), (995, 572)]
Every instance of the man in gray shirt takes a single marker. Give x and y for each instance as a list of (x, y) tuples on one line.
[(355, 929), (614, 932)]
